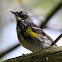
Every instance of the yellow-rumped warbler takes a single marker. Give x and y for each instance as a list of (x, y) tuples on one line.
[(30, 36)]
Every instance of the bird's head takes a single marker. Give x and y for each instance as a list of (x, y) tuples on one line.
[(20, 15), (22, 19)]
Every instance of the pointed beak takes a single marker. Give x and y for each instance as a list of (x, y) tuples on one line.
[(13, 12)]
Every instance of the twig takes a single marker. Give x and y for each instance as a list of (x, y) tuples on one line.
[(51, 54), (2, 54), (47, 19), (56, 40)]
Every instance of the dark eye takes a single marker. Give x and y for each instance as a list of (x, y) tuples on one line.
[(23, 13)]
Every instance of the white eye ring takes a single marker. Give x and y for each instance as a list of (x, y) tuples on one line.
[(23, 13)]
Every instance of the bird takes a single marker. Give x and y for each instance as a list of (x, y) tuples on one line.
[(29, 34)]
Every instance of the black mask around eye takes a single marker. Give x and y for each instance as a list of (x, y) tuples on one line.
[(23, 15)]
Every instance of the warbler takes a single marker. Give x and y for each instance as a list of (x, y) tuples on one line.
[(30, 35)]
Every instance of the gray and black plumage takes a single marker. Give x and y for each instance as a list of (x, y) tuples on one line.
[(27, 32)]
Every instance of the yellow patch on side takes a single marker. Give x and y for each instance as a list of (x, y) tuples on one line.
[(31, 33)]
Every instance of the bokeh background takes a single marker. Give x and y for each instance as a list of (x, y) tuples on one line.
[(40, 11)]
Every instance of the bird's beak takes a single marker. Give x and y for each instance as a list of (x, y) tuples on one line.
[(15, 15), (13, 12)]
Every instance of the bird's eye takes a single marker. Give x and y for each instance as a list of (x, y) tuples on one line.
[(22, 13)]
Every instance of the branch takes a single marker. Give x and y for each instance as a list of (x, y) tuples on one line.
[(56, 40), (7, 51), (51, 54), (51, 14)]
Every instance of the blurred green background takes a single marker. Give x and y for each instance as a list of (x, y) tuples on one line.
[(39, 10)]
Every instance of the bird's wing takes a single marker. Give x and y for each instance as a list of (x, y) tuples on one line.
[(42, 33)]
